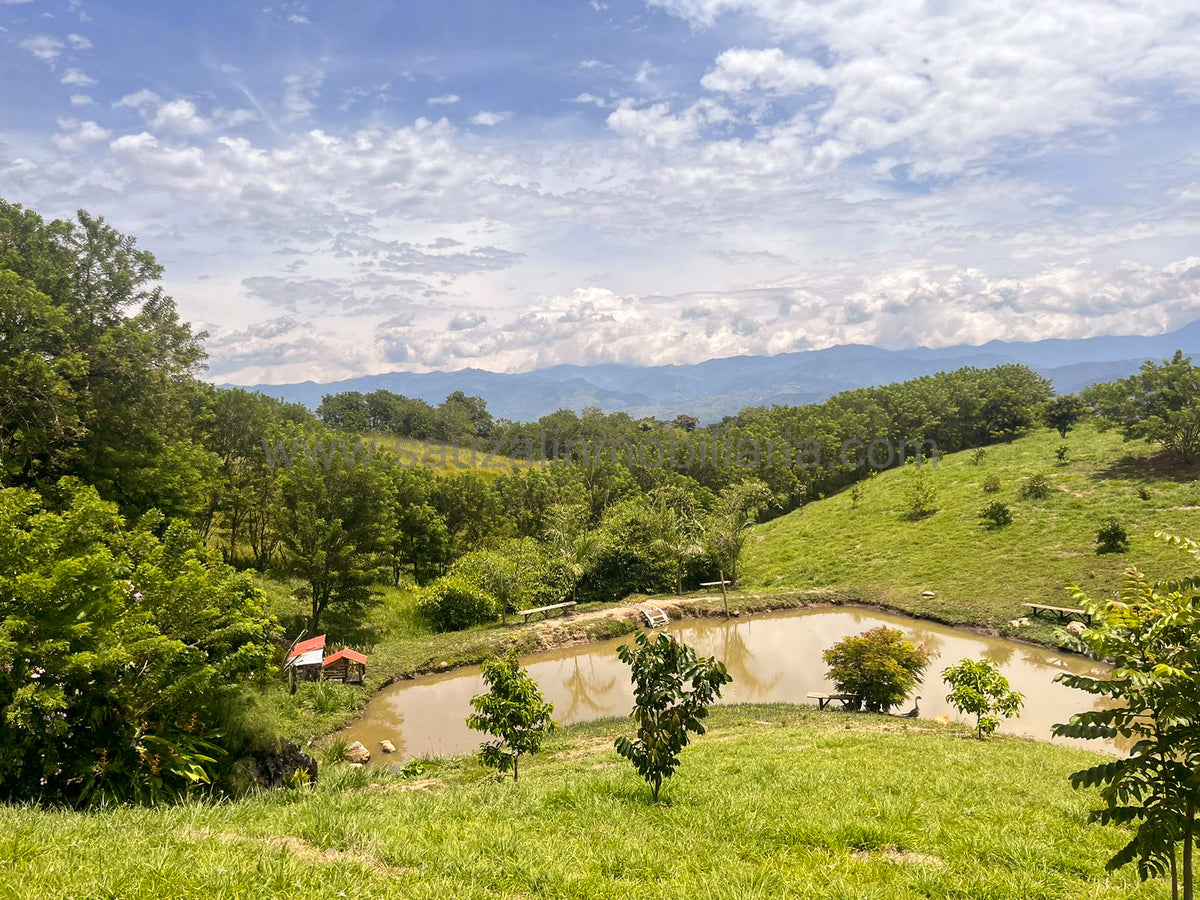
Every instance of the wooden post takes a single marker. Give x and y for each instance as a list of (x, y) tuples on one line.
[(724, 595)]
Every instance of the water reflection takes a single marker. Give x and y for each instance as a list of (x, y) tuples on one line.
[(772, 658)]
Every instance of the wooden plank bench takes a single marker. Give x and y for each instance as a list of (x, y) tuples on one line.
[(1063, 613), (823, 699), (544, 609)]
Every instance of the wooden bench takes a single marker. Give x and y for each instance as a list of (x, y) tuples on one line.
[(544, 609), (823, 699), (1063, 613)]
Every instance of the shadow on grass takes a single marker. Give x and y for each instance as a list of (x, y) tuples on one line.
[(1160, 467)]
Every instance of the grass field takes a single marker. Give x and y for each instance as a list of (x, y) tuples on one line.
[(980, 576), (775, 801)]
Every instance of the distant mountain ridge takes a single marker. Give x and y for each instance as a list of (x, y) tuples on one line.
[(720, 387)]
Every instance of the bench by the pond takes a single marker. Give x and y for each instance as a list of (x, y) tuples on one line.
[(1062, 613), (544, 610), (823, 699)]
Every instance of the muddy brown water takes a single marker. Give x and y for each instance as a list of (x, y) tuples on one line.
[(772, 658)]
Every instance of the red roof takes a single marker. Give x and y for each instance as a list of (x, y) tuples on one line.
[(317, 643), (352, 655)]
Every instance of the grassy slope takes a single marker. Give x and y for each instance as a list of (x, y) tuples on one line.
[(980, 576), (774, 801)]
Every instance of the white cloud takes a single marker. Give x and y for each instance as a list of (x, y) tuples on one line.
[(81, 100), (179, 117), (300, 93), (43, 46), (75, 136), (657, 126), (79, 42), (739, 70), (139, 100), (76, 78), (644, 73), (444, 100), (591, 99), (487, 117)]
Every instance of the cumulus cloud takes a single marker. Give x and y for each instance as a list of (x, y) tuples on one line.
[(75, 136), (79, 42), (488, 117), (44, 46), (76, 78), (656, 126)]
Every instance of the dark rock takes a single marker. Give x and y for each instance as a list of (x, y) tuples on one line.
[(273, 769)]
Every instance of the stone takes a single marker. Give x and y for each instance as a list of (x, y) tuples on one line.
[(357, 753), (275, 768), (1075, 629), (387, 746), (356, 765), (928, 594)]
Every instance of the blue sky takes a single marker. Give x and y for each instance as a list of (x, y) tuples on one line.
[(338, 189)]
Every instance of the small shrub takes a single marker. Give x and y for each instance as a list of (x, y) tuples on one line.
[(1062, 452), (978, 456), (672, 690), (978, 688), (513, 711), (921, 496), (1035, 487), (881, 666), (452, 604), (856, 493), (1143, 494), (991, 484), (1112, 537), (996, 515)]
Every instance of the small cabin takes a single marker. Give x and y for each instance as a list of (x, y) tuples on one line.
[(306, 657), (346, 665)]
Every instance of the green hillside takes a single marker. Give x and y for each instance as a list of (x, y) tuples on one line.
[(982, 576), (774, 801)]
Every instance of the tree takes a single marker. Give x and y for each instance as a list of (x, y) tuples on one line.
[(977, 688), (1161, 404), (921, 494), (881, 666), (513, 711), (996, 515), (332, 521), (123, 654), (672, 690), (1063, 412), (728, 526), (1148, 635)]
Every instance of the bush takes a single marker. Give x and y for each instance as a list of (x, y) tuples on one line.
[(1143, 494), (996, 515), (452, 604), (881, 666), (978, 688), (1062, 452), (991, 484), (1035, 487), (1112, 537), (921, 495), (978, 456)]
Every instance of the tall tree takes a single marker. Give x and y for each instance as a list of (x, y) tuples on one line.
[(1161, 404)]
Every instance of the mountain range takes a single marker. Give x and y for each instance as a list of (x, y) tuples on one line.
[(720, 387)]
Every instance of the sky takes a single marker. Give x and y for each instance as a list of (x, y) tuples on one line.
[(338, 189)]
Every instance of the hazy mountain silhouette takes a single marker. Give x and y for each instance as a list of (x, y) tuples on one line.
[(720, 387)]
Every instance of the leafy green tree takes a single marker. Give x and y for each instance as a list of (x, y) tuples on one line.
[(513, 711), (123, 655), (1064, 412), (332, 521), (881, 666), (672, 690), (736, 509), (1152, 698), (1034, 487), (117, 362), (977, 688), (1161, 404), (996, 515), (1112, 537)]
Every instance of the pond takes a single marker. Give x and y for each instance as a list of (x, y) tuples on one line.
[(772, 658)]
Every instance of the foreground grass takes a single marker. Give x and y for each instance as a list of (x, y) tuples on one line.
[(982, 577), (775, 801)]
